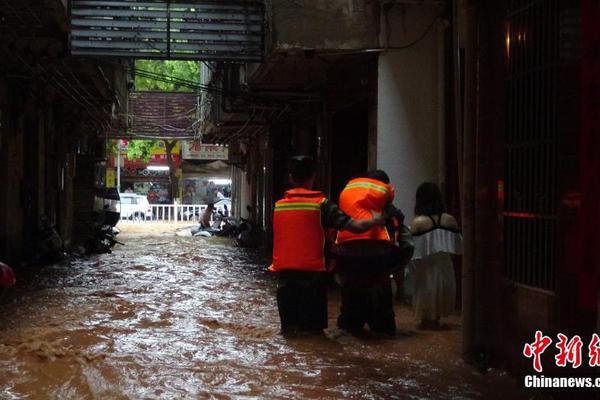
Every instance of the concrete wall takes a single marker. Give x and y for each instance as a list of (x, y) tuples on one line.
[(323, 24), (11, 175), (410, 103), (37, 167)]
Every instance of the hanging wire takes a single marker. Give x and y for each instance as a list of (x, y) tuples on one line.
[(388, 32)]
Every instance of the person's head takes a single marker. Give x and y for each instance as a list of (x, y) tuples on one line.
[(429, 200), (210, 206), (379, 175), (302, 172)]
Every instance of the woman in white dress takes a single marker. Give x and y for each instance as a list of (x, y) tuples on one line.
[(436, 236)]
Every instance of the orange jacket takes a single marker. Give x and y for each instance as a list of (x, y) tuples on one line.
[(359, 198), (298, 236)]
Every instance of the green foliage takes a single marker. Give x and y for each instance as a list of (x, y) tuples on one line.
[(140, 149), (187, 70), (111, 146)]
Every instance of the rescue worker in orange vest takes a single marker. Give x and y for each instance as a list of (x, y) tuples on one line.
[(299, 224), (365, 261)]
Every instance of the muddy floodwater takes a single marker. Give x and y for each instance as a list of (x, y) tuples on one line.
[(168, 317)]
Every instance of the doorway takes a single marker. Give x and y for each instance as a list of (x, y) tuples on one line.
[(349, 146)]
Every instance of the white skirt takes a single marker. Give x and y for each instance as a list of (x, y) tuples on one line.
[(434, 287)]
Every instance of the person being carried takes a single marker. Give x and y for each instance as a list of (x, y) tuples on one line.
[(300, 221), (364, 261)]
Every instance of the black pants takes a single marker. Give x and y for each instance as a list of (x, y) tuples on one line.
[(370, 304), (367, 294), (302, 301)]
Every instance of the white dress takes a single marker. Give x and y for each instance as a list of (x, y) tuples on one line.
[(434, 288)]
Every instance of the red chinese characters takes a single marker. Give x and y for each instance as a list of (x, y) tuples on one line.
[(594, 351), (536, 349), (569, 351), (195, 145)]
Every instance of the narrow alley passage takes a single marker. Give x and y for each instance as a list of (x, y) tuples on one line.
[(168, 317)]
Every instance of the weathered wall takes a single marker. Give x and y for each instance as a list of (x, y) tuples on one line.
[(11, 175), (410, 100), (243, 193), (36, 167), (324, 24)]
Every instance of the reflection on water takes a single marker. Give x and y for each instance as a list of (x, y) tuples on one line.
[(182, 317)]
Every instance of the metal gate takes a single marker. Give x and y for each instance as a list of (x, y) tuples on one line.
[(219, 30), (531, 142), (166, 115)]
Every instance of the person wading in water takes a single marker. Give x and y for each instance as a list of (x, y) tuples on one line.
[(300, 221)]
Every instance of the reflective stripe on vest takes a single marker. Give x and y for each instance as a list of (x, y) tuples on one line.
[(368, 185), (297, 206), (298, 236), (359, 199)]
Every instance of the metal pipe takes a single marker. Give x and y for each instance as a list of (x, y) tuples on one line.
[(119, 166)]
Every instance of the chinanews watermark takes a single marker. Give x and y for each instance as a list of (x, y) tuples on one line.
[(569, 353)]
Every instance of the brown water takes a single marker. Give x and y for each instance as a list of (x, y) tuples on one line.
[(169, 317)]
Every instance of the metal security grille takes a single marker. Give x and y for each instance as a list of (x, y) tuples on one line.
[(531, 142), (162, 115), (223, 30)]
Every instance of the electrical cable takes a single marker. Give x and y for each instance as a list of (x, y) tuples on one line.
[(414, 42)]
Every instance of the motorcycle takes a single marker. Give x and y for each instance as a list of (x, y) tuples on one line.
[(214, 230), (105, 218), (240, 229), (103, 240), (247, 235), (50, 247)]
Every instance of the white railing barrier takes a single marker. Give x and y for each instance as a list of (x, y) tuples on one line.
[(171, 213)]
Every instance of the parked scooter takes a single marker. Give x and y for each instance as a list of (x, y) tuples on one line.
[(49, 244), (230, 227), (106, 215), (247, 235), (103, 240), (240, 229), (214, 230)]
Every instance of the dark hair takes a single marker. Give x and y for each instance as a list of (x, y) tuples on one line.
[(429, 200), (302, 168), (379, 175)]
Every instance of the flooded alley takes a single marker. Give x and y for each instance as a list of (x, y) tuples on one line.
[(169, 317)]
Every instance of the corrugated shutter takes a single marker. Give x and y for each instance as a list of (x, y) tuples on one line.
[(224, 30)]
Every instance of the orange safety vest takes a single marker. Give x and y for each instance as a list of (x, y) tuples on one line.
[(359, 198), (298, 236)]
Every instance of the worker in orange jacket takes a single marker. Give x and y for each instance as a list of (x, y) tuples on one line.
[(300, 222), (364, 261)]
